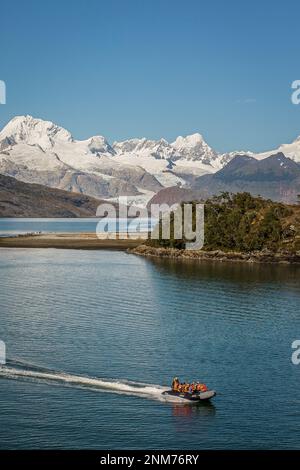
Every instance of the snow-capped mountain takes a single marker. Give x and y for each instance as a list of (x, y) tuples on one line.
[(194, 148), (26, 129), (159, 149), (154, 156), (291, 151), (49, 137), (38, 151), (170, 163)]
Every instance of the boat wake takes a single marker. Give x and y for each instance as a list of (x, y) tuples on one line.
[(25, 371)]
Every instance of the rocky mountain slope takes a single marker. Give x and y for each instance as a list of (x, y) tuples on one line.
[(275, 177), (174, 195), (18, 199)]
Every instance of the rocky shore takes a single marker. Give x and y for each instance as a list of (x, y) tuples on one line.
[(264, 256)]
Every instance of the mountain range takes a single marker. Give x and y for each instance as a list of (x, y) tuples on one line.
[(37, 151)]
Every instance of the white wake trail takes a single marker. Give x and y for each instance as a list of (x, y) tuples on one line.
[(115, 386)]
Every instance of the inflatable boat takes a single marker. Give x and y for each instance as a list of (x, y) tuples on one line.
[(192, 397)]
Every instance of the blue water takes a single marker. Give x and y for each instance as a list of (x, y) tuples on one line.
[(92, 336), (16, 226)]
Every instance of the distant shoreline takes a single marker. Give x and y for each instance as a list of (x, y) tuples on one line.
[(264, 256), (82, 241)]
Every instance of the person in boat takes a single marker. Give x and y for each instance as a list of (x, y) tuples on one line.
[(175, 384), (201, 387)]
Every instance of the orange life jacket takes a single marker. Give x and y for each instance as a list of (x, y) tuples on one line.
[(202, 388)]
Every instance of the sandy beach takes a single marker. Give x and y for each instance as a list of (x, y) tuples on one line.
[(70, 240)]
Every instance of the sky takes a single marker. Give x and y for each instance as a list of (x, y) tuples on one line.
[(156, 68)]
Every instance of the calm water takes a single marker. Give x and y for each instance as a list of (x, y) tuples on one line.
[(129, 320), (15, 226)]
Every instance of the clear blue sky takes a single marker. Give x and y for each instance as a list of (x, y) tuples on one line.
[(156, 68)]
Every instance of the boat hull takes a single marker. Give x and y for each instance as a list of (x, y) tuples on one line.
[(195, 397)]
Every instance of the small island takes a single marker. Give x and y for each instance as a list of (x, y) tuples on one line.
[(238, 227)]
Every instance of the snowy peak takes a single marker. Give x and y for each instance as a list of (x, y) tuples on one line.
[(145, 147), (194, 148), (26, 129), (291, 151), (98, 145), (190, 148), (126, 146), (188, 141), (49, 137)]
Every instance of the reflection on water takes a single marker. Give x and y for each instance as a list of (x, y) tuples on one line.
[(201, 410), (231, 271)]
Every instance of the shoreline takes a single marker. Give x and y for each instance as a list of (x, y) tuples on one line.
[(78, 241), (135, 245), (264, 256)]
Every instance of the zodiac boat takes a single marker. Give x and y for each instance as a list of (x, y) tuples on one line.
[(192, 397)]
